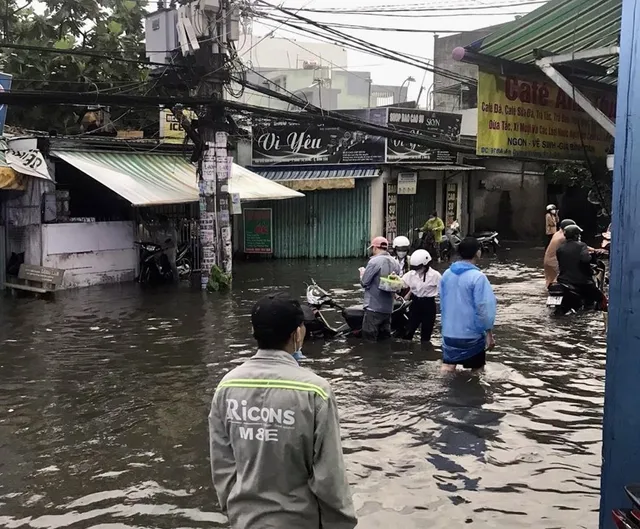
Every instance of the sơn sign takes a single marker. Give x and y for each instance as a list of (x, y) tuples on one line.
[(525, 118)]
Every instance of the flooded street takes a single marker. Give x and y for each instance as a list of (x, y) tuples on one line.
[(105, 392)]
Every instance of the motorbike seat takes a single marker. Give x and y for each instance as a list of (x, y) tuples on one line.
[(482, 234), (355, 311)]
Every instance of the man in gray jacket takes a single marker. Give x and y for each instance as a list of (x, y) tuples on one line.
[(378, 304), (276, 455)]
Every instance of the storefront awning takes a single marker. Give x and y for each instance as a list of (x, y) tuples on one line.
[(319, 177), (155, 179)]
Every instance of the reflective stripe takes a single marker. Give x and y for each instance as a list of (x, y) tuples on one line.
[(277, 384)]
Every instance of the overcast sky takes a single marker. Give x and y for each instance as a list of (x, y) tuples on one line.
[(389, 72)]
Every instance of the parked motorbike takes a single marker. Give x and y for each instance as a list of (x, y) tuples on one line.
[(318, 327), (452, 238), (564, 298), (184, 261), (155, 267), (629, 518)]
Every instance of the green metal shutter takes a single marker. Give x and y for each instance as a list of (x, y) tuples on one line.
[(333, 223), (414, 210)]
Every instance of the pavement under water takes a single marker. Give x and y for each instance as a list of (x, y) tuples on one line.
[(104, 394)]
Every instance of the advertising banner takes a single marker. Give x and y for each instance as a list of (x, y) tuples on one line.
[(283, 142), (440, 125), (524, 118), (258, 230), (171, 130)]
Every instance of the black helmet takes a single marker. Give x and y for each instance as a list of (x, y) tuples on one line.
[(567, 222), (572, 232)]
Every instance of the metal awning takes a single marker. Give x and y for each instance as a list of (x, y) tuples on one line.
[(316, 178), (154, 179), (558, 27)]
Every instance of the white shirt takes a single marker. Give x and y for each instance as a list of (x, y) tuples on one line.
[(423, 286)]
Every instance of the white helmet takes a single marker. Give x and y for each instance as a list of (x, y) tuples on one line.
[(420, 258), (551, 207), (401, 242)]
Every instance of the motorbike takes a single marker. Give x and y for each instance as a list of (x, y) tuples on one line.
[(155, 267), (184, 261), (629, 518), (452, 238), (564, 298), (318, 327)]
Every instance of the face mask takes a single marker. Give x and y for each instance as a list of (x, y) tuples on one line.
[(298, 356), (402, 255)]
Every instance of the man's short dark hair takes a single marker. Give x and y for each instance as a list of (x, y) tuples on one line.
[(468, 248), (274, 318)]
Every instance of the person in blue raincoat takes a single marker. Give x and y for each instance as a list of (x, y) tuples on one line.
[(468, 311)]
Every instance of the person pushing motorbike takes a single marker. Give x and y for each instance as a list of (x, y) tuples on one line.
[(574, 262)]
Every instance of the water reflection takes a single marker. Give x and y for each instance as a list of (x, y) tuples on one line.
[(105, 394)]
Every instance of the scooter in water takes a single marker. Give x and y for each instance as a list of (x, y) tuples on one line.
[(564, 298), (452, 238), (155, 268), (629, 518), (318, 327), (488, 241), (184, 261)]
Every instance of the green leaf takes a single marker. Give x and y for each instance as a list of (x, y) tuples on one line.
[(129, 5), (115, 27), (65, 43)]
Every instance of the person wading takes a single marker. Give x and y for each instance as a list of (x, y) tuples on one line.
[(423, 282), (467, 310), (276, 456), (551, 222), (551, 269), (378, 303)]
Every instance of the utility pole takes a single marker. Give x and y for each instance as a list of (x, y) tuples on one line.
[(215, 164)]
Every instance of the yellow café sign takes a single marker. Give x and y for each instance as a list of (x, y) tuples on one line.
[(522, 118)]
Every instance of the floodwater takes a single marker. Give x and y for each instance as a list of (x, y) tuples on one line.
[(104, 395)]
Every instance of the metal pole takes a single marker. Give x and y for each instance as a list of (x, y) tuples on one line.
[(621, 432)]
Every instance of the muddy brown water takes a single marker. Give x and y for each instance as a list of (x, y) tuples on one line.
[(104, 395)]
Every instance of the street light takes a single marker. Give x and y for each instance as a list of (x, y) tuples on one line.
[(407, 80)]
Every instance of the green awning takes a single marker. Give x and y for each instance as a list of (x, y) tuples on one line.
[(146, 179), (560, 26)]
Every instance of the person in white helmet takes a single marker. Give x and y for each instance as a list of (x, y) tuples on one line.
[(552, 220), (424, 284), (401, 252)]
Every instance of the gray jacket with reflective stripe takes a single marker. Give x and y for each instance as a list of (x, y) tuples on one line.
[(276, 456)]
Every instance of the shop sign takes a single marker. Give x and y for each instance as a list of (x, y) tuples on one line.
[(407, 183), (277, 142), (171, 130), (452, 202), (440, 125), (258, 230), (391, 217), (30, 162), (526, 118)]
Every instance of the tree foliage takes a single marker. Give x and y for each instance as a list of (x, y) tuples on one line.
[(113, 28)]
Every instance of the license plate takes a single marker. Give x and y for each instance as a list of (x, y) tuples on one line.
[(554, 301)]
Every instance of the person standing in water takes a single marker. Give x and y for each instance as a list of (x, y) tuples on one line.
[(551, 222), (275, 448), (551, 269), (468, 311), (401, 245), (424, 283)]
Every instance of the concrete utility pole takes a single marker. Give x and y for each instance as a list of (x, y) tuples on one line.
[(215, 164), (621, 433)]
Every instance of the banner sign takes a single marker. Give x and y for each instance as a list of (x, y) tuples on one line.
[(438, 125), (171, 130), (30, 162), (391, 216), (283, 142), (452, 203), (524, 118), (258, 230), (5, 86)]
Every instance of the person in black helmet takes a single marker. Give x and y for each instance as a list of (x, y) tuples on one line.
[(550, 261), (574, 261)]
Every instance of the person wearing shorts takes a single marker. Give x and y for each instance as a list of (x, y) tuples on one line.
[(468, 311)]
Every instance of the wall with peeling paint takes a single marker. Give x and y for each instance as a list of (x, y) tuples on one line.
[(92, 253)]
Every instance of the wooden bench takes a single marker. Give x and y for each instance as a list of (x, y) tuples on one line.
[(36, 279)]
